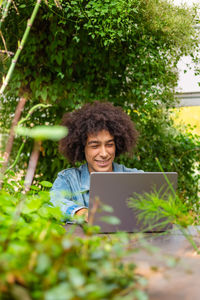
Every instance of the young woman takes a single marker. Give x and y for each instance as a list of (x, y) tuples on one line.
[(97, 133)]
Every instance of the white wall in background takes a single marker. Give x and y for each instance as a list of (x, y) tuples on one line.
[(187, 2), (188, 82)]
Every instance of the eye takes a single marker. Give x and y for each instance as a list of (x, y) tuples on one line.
[(110, 145)]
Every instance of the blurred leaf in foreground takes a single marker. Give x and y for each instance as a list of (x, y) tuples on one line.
[(54, 133)]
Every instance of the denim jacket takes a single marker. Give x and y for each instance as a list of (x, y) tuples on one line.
[(70, 190)]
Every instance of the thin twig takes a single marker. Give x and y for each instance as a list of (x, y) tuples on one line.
[(9, 53), (94, 210), (17, 157), (58, 4), (15, 7), (189, 238), (21, 45), (32, 110), (32, 165), (9, 144), (22, 146), (5, 12), (1, 4), (4, 42), (166, 178)]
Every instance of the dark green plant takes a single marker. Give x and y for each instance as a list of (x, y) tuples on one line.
[(40, 260), (122, 51), (177, 150)]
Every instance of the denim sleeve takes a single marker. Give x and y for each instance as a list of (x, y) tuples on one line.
[(61, 196)]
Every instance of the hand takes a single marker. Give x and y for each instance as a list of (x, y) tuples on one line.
[(82, 212)]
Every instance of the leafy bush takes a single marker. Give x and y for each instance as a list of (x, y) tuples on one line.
[(122, 51), (153, 208), (177, 151), (40, 260)]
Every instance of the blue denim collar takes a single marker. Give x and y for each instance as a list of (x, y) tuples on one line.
[(85, 177)]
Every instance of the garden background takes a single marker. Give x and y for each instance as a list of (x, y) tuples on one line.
[(79, 52), (69, 53)]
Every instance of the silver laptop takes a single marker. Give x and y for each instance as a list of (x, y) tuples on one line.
[(114, 188)]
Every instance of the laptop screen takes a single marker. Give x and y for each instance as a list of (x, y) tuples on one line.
[(114, 189)]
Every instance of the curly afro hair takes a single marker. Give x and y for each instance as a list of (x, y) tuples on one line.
[(91, 119)]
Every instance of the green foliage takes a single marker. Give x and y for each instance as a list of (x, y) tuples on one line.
[(121, 51), (40, 260), (153, 208), (176, 150)]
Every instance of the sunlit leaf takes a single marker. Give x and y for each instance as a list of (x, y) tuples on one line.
[(41, 133), (60, 292), (43, 263), (76, 278), (34, 187), (46, 184)]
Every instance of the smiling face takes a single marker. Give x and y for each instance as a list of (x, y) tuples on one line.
[(100, 151)]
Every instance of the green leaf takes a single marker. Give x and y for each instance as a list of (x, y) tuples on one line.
[(59, 58), (32, 205), (46, 184), (43, 263), (55, 212), (34, 187), (54, 133), (111, 220), (67, 243), (60, 292), (44, 93), (107, 208), (76, 278)]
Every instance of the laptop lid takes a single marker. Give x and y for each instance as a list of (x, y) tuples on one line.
[(114, 188)]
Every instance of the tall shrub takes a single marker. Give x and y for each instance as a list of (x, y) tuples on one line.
[(121, 51)]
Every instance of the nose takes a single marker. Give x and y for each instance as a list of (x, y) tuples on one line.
[(103, 152)]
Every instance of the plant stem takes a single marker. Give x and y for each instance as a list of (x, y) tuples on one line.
[(5, 11), (9, 53), (4, 43), (9, 144), (13, 2), (165, 176), (21, 45), (3, 4), (189, 238), (32, 165), (32, 110), (17, 157), (11, 137), (94, 210)]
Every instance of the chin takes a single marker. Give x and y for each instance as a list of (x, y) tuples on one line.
[(104, 169)]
